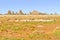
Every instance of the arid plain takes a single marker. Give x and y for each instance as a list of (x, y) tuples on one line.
[(12, 28)]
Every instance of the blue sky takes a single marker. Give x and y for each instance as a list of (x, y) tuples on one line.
[(48, 6)]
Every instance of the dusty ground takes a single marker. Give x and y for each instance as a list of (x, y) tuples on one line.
[(12, 30)]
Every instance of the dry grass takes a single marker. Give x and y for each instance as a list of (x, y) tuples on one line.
[(11, 30)]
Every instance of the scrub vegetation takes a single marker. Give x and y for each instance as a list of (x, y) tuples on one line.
[(17, 30)]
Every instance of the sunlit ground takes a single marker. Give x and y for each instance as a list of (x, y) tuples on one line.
[(17, 30)]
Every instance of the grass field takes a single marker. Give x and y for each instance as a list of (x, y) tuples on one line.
[(17, 30)]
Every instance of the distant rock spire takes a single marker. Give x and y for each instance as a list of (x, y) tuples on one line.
[(12, 13), (20, 12), (9, 12)]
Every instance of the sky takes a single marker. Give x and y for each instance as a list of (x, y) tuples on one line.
[(48, 6)]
